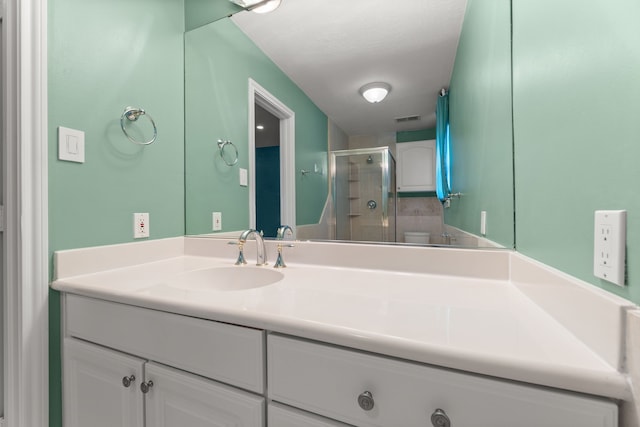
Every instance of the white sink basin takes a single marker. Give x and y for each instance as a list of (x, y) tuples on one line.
[(227, 278)]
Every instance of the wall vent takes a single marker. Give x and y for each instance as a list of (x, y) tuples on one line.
[(407, 119)]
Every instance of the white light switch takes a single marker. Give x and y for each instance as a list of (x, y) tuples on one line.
[(217, 221), (70, 145), (483, 223), (244, 180)]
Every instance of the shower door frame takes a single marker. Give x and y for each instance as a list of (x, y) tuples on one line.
[(387, 158)]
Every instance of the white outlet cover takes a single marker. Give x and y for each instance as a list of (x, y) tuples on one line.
[(70, 145), (609, 246), (140, 225)]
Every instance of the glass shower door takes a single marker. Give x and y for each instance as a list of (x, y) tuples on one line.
[(364, 195)]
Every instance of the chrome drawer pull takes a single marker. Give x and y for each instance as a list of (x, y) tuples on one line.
[(145, 387), (365, 400), (126, 381), (439, 419)]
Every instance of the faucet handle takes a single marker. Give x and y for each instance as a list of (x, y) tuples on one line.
[(241, 260), (280, 259)]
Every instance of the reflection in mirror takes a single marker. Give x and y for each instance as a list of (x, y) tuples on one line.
[(314, 56), (364, 195)]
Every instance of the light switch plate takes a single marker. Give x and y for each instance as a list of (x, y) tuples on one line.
[(70, 145), (217, 221), (609, 246), (244, 181), (483, 223)]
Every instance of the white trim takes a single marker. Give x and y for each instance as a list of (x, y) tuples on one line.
[(25, 183), (259, 95)]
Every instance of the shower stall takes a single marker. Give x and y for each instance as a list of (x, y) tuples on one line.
[(364, 194)]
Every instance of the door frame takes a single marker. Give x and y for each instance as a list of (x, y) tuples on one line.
[(259, 95), (24, 141)]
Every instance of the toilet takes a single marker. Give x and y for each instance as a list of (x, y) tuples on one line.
[(416, 237)]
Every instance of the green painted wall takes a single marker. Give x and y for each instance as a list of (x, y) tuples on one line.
[(577, 129), (480, 117), (220, 59), (201, 12), (104, 56)]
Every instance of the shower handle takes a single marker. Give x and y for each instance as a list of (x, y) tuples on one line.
[(371, 204)]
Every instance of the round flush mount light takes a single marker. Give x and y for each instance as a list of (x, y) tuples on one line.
[(375, 92), (258, 6)]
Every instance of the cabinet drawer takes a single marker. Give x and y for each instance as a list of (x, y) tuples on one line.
[(328, 380), (228, 353), (282, 416)]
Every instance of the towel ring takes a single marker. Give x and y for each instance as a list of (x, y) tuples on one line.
[(221, 147), (132, 114)]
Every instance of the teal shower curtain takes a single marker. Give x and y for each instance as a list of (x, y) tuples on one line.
[(443, 176)]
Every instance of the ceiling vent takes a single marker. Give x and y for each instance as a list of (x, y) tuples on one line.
[(407, 119)]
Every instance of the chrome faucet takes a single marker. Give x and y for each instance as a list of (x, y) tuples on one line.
[(260, 248), (280, 236), (283, 229)]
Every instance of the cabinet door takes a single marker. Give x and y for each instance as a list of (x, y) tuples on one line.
[(416, 166), (179, 399), (94, 392)]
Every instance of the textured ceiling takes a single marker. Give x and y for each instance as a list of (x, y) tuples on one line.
[(330, 48)]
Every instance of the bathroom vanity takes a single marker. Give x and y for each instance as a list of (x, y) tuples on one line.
[(147, 343)]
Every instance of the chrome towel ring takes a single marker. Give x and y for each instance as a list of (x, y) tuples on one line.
[(132, 114), (231, 158)]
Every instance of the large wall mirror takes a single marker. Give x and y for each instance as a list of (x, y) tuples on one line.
[(283, 87)]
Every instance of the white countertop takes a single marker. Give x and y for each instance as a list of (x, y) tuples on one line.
[(484, 326)]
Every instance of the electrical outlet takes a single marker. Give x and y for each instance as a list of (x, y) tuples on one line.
[(140, 225), (609, 246), (217, 221)]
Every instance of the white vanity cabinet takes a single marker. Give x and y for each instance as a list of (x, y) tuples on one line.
[(416, 166), (373, 391), (102, 388), (94, 393), (201, 373), (137, 377)]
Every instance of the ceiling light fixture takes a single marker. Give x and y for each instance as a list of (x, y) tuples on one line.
[(258, 6), (375, 92)]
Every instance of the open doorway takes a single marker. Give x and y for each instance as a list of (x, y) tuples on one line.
[(267, 152), (271, 162)]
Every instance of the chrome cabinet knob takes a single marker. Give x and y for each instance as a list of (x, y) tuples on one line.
[(126, 381), (145, 387), (440, 419), (365, 400)]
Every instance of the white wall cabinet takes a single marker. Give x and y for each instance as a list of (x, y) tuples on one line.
[(416, 166)]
